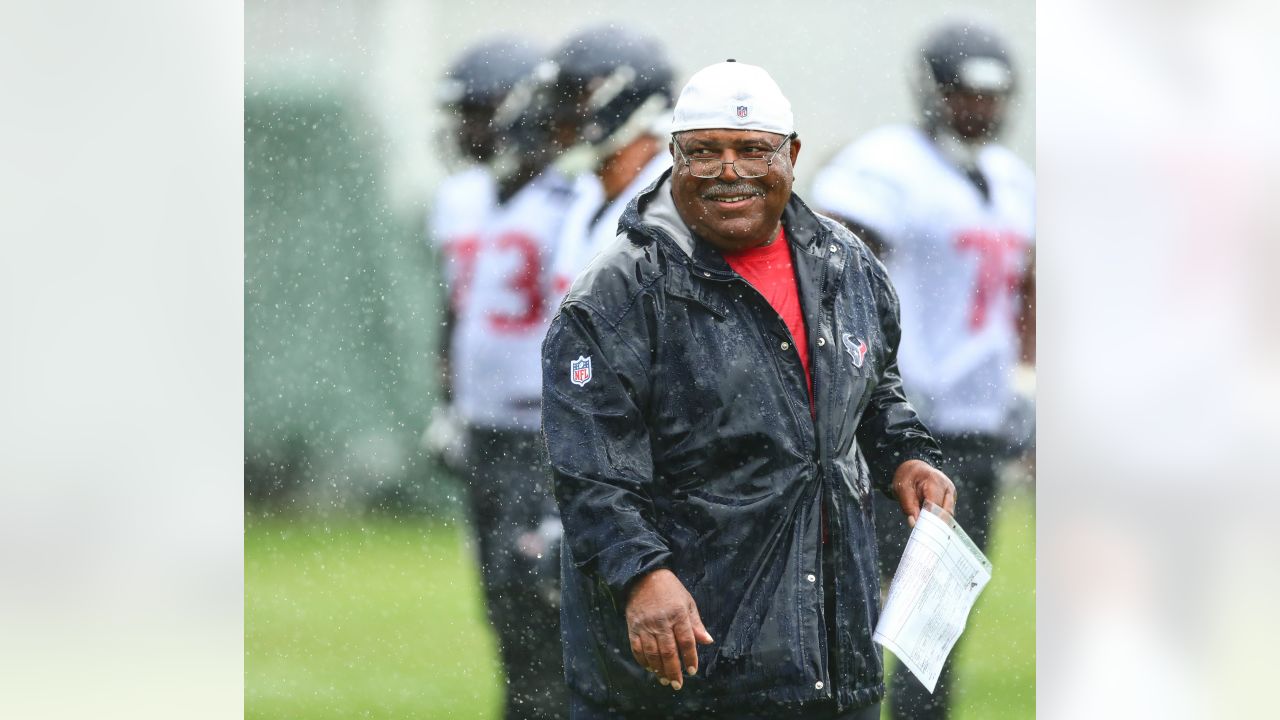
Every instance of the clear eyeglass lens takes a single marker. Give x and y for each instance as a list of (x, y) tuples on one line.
[(706, 168), (751, 167), (742, 167)]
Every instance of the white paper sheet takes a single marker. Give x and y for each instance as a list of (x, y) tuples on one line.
[(940, 576)]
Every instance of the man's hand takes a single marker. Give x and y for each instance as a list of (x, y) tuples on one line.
[(916, 481), (663, 624)]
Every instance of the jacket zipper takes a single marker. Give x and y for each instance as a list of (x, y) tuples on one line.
[(827, 584), (819, 446), (810, 437), (819, 449)]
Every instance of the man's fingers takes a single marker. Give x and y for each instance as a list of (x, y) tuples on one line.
[(637, 650), (934, 492), (670, 667), (688, 647), (699, 630), (941, 492), (909, 499), (652, 658)]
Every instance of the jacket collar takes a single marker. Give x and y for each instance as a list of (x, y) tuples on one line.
[(652, 217)]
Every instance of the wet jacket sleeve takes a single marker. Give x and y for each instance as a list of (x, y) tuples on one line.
[(598, 447), (891, 432)]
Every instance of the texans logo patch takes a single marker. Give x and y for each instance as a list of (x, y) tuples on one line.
[(857, 349)]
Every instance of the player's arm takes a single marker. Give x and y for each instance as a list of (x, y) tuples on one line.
[(438, 248), (445, 349), (1027, 312), (455, 262), (602, 472), (863, 193), (445, 435)]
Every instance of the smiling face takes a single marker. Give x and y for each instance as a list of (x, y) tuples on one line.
[(732, 212)]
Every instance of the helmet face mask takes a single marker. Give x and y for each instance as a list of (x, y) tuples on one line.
[(965, 79), (469, 126), (974, 116), (473, 92), (568, 115), (601, 89)]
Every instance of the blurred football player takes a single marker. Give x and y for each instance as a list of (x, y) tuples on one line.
[(951, 213), (472, 91), (498, 224), (611, 90)]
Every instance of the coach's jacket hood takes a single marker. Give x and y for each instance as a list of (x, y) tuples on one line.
[(680, 434)]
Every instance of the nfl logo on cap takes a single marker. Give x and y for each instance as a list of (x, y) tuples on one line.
[(732, 96), (580, 371)]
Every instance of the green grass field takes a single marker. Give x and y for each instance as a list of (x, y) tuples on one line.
[(378, 618)]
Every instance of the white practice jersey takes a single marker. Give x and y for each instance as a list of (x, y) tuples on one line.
[(956, 260), (502, 310), (590, 229), (463, 204)]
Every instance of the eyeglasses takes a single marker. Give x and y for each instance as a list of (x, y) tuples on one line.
[(750, 163)]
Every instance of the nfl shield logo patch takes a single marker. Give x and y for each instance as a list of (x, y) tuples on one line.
[(742, 111), (580, 371)]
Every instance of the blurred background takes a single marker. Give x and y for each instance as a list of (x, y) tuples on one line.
[(362, 596)]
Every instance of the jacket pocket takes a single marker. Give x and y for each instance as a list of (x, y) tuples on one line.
[(714, 499), (762, 645)]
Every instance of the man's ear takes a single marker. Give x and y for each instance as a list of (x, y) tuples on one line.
[(795, 149)]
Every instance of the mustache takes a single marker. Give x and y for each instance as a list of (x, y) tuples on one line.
[(723, 190)]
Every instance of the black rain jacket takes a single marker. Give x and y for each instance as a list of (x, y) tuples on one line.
[(679, 432)]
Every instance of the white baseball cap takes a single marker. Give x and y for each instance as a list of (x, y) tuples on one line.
[(732, 96)]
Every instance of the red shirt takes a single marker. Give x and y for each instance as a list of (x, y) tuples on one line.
[(768, 268)]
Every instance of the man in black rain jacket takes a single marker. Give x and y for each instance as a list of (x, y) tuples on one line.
[(713, 479)]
